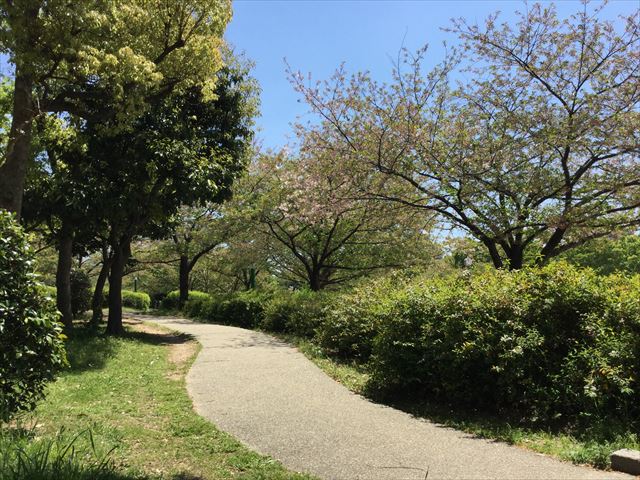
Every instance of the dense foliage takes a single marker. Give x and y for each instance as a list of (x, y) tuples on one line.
[(131, 299), (551, 343), (31, 341), (554, 343), (80, 292), (609, 255)]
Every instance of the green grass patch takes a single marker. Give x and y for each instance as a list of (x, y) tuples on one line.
[(133, 401), (351, 375), (590, 446)]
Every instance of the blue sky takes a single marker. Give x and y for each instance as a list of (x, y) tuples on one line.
[(317, 35)]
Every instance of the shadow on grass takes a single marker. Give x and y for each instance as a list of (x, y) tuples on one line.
[(88, 349), (159, 338)]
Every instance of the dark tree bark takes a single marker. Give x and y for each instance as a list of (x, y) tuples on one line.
[(96, 301), (14, 168), (185, 270), (63, 275), (493, 251), (516, 257), (121, 253)]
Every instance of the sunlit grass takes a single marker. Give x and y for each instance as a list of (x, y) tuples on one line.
[(133, 400)]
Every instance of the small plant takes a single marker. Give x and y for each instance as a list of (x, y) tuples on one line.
[(24, 456)]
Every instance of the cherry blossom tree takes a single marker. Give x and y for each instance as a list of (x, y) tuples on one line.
[(535, 149), (323, 232)]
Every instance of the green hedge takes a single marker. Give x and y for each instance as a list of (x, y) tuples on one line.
[(137, 300), (298, 313), (130, 299), (556, 342), (171, 301)]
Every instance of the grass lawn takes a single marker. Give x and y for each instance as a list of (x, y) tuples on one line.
[(127, 396), (583, 446)]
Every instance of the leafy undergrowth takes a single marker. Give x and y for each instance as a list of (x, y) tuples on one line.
[(132, 399), (591, 445)]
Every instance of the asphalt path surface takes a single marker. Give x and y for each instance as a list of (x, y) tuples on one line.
[(273, 399)]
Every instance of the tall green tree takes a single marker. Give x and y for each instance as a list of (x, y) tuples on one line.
[(537, 148), (57, 201), (104, 61), (171, 157)]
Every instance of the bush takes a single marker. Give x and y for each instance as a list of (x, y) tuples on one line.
[(245, 310), (137, 300), (350, 325), (171, 301), (80, 292), (130, 299), (299, 313), (551, 343), (31, 341), (197, 304)]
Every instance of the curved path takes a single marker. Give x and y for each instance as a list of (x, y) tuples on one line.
[(269, 396)]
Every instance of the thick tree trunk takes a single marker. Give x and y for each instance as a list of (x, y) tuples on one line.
[(14, 168), (516, 257), (96, 301), (184, 280), (121, 254), (315, 281), (63, 275)]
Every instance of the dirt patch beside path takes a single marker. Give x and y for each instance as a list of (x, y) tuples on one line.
[(182, 347)]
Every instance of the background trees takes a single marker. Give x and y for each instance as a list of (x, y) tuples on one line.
[(323, 233), (539, 151)]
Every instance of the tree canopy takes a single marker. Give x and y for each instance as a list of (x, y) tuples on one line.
[(538, 150)]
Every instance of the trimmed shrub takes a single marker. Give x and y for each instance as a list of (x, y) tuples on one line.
[(137, 300), (550, 343), (197, 304), (351, 324), (130, 299), (299, 313), (80, 292), (244, 310), (171, 301), (31, 340)]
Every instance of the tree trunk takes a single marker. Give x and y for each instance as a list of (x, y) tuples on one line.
[(121, 254), (516, 257), (315, 282), (14, 168), (495, 254), (63, 275), (184, 280), (96, 301)]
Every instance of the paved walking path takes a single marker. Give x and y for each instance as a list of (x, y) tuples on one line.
[(269, 396)]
